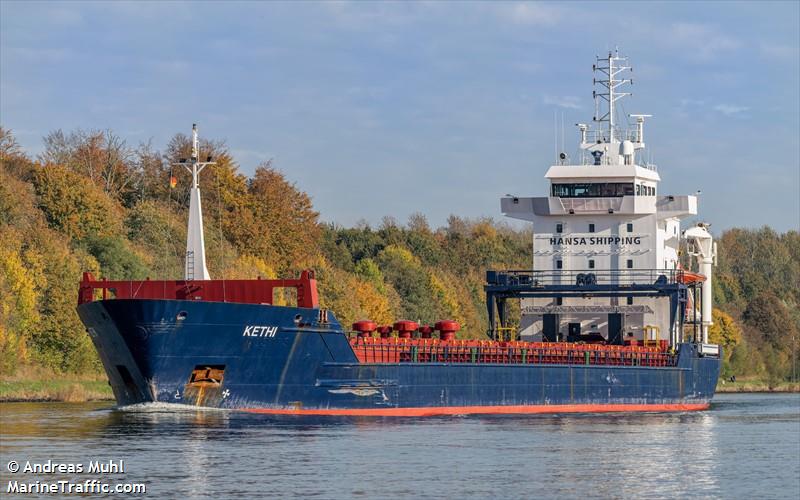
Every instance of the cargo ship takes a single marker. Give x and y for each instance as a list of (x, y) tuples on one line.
[(610, 321)]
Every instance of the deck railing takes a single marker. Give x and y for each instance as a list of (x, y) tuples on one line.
[(585, 277)]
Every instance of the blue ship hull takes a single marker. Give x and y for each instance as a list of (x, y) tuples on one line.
[(283, 360)]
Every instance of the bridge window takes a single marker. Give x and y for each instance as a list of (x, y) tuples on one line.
[(591, 228), (559, 264), (591, 263), (559, 228), (593, 190), (630, 264), (630, 227), (630, 301)]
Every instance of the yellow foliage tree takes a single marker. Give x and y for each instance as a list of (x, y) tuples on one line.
[(73, 205), (724, 331), (445, 297), (371, 303), (18, 301)]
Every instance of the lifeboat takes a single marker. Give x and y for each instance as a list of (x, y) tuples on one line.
[(687, 277)]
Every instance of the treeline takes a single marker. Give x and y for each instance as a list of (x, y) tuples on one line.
[(757, 292), (92, 201)]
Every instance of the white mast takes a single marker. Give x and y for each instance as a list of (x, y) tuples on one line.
[(195, 268), (607, 145), (607, 67)]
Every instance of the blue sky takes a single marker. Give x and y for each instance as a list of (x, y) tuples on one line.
[(434, 107)]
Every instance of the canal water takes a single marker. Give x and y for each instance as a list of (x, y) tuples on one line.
[(747, 446)]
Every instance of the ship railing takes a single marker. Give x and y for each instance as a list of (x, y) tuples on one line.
[(391, 351), (602, 136), (585, 277)]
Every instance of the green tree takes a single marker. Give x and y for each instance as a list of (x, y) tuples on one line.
[(161, 234), (117, 260), (767, 314)]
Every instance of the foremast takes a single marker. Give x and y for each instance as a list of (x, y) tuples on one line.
[(195, 264)]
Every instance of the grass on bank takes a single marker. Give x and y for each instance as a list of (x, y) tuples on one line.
[(37, 384), (754, 384)]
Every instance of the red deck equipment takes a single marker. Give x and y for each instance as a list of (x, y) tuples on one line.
[(365, 328), (408, 350), (405, 328), (447, 329)]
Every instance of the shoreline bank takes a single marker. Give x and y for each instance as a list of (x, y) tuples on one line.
[(758, 387), (42, 391)]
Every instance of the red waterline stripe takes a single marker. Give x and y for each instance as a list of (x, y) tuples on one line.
[(486, 410)]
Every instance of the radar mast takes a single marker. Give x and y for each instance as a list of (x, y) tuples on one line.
[(608, 144)]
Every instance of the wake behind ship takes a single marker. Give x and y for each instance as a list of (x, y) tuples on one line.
[(610, 319)]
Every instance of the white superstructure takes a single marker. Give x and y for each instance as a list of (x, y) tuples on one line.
[(604, 216)]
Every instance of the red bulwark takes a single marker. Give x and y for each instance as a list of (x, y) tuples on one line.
[(239, 291)]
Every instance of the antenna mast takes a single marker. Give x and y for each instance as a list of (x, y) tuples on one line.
[(195, 268), (609, 70)]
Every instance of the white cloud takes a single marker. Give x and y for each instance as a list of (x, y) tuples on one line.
[(39, 55), (777, 51), (527, 67), (688, 107), (529, 13), (700, 42), (61, 16), (170, 66), (566, 101), (369, 15), (686, 103), (730, 109)]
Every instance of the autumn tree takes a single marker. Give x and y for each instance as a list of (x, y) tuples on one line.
[(102, 156), (73, 205), (288, 226), (724, 331), (13, 159)]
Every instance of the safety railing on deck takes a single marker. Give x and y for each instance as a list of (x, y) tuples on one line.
[(586, 277), (394, 350)]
